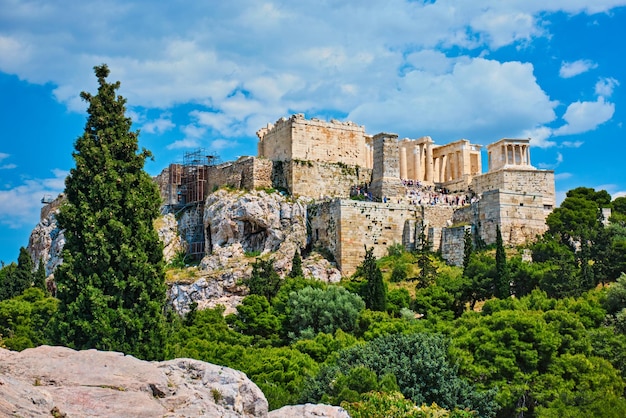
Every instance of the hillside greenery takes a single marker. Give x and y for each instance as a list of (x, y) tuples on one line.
[(547, 341)]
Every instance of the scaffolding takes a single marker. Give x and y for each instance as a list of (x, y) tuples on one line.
[(187, 192)]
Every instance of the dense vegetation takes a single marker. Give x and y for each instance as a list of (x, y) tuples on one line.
[(553, 345), (499, 337)]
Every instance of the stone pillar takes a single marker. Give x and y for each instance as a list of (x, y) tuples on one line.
[(429, 163), (403, 162), (416, 163), (386, 171), (445, 169)]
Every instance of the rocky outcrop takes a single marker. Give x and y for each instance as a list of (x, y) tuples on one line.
[(59, 381), (309, 411), (167, 229), (253, 223), (46, 242)]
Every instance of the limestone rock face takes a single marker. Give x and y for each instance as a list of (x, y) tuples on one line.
[(167, 228), (209, 292), (309, 411), (253, 222), (46, 381), (46, 243)]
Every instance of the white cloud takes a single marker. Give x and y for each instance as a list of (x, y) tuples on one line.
[(572, 144), (585, 116), (222, 144), (184, 143), (554, 165), (20, 205), (158, 126), (562, 176), (8, 166), (572, 69), (539, 137), (482, 100), (605, 86)]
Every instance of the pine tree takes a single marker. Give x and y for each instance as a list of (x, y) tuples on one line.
[(111, 285), (375, 296), (501, 288)]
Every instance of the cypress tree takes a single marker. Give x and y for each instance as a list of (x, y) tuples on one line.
[(296, 265), (111, 285), (428, 271), (501, 288), (468, 247), (375, 291), (40, 276)]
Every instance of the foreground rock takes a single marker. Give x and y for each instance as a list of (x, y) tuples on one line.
[(58, 381), (309, 411)]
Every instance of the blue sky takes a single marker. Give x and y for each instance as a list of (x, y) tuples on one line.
[(209, 74)]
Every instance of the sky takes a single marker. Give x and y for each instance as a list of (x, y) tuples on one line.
[(209, 74)]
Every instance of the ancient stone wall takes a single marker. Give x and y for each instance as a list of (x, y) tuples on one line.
[(246, 173), (453, 244), (516, 200), (298, 138), (320, 179), (352, 225)]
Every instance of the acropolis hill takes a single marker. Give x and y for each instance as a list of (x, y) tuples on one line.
[(377, 190)]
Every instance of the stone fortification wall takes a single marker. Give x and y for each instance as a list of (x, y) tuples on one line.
[(247, 173), (517, 200), (166, 190), (465, 215), (538, 183), (351, 225), (297, 138), (438, 215), (319, 179), (453, 244), (323, 220)]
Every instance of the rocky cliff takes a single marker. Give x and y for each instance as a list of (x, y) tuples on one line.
[(238, 226)]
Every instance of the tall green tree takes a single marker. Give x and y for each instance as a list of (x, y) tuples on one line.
[(468, 247), (375, 292), (502, 286), (423, 247), (15, 278), (296, 265), (111, 285), (39, 278)]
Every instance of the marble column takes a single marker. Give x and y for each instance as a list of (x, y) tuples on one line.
[(403, 163)]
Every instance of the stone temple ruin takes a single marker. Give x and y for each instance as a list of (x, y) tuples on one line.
[(378, 190)]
